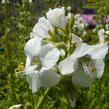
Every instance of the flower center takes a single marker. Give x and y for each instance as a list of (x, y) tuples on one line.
[(38, 63), (88, 66), (91, 66)]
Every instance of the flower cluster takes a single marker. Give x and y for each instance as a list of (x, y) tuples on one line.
[(62, 46)]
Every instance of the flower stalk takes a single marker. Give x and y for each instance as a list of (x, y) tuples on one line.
[(42, 99)]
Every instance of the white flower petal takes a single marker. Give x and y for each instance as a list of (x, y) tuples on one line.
[(99, 51), (69, 8), (41, 28), (99, 64), (57, 17), (33, 78), (101, 35), (81, 79), (30, 69), (70, 15), (49, 78), (38, 32), (76, 39), (28, 62), (32, 47), (62, 52), (45, 24), (67, 66), (82, 50), (49, 55)]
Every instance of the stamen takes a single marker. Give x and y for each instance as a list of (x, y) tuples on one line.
[(38, 63), (89, 68)]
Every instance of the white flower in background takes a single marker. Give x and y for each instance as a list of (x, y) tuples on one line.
[(62, 52), (41, 28), (57, 17), (102, 35), (84, 33), (107, 32), (39, 63), (4, 1), (107, 26), (83, 74), (69, 8), (69, 16), (30, 1), (79, 22), (75, 38), (77, 16), (15, 106)]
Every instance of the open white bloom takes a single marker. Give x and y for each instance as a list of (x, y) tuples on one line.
[(69, 64), (41, 28), (84, 73), (40, 60), (57, 17), (89, 70)]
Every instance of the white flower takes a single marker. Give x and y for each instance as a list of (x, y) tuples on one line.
[(81, 79), (40, 60), (97, 55), (107, 26), (69, 16), (68, 65), (77, 16), (4, 1), (102, 35), (30, 1), (62, 52), (57, 17), (41, 28), (15, 106), (75, 39), (99, 51), (84, 73), (107, 32), (79, 22), (69, 8)]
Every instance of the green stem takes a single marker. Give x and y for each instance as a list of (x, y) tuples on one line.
[(42, 99)]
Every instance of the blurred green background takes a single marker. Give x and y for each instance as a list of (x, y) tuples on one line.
[(17, 19)]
